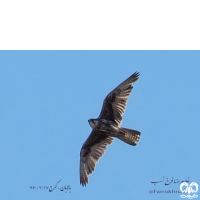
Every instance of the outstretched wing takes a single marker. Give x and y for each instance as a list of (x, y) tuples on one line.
[(92, 150), (115, 102)]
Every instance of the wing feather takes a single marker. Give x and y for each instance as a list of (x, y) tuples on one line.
[(115, 102), (92, 150)]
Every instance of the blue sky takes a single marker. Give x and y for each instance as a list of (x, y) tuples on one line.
[(47, 98)]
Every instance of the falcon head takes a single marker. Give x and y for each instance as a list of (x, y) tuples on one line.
[(93, 122)]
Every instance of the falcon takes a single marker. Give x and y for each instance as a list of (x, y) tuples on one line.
[(107, 126)]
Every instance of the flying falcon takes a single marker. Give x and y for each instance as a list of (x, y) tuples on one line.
[(106, 126)]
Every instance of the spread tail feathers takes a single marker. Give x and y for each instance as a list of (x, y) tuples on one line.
[(129, 136)]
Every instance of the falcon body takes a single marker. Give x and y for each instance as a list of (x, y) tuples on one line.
[(107, 126), (103, 125)]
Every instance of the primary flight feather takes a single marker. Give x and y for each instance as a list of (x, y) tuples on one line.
[(106, 126)]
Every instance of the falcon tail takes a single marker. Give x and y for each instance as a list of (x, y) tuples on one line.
[(129, 136)]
